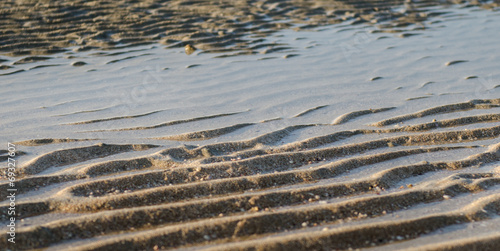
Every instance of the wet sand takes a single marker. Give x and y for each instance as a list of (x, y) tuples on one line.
[(295, 125), (47, 28)]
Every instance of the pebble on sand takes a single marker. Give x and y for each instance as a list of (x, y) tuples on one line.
[(189, 49)]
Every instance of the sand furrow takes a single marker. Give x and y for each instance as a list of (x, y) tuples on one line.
[(473, 104), (207, 134), (114, 196), (114, 118), (170, 123), (258, 223), (489, 242), (286, 161), (310, 110), (199, 202), (116, 188), (367, 235), (75, 155), (40, 142), (352, 115), (34, 183)]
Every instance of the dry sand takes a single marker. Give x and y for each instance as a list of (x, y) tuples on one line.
[(310, 125)]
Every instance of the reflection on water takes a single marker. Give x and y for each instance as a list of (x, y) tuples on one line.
[(215, 26)]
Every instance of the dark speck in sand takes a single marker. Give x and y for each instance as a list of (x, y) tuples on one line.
[(455, 62), (403, 35), (266, 58), (44, 66), (78, 63), (290, 55), (5, 67), (10, 73), (31, 60)]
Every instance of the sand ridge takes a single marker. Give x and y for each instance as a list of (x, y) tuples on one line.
[(230, 192)]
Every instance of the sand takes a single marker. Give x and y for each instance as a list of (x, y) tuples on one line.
[(215, 25), (294, 125)]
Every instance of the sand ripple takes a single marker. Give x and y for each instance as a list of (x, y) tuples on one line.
[(29, 27), (324, 192)]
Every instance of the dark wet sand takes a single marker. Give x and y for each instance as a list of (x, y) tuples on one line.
[(29, 28)]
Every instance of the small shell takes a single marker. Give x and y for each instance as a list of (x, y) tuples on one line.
[(189, 49)]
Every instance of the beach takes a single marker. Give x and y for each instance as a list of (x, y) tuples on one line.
[(250, 125)]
